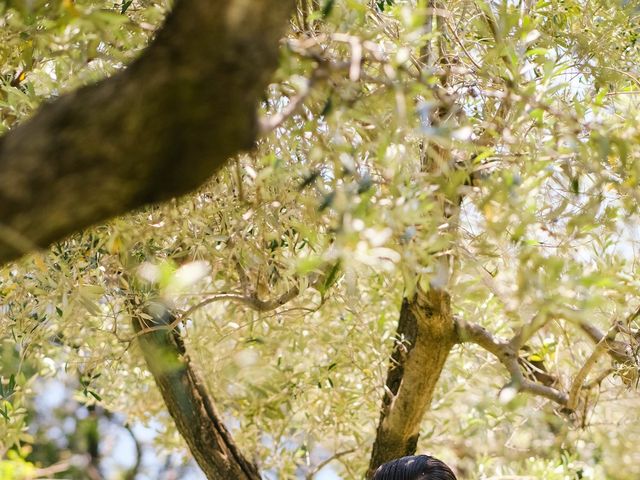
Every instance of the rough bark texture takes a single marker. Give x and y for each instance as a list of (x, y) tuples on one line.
[(156, 130), (426, 334), (188, 402)]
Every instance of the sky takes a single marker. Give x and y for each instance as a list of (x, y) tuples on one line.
[(117, 448)]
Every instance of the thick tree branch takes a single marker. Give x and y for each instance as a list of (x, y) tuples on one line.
[(156, 130), (187, 400)]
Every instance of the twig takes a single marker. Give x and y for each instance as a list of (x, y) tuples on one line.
[(252, 301), (330, 65), (267, 125), (133, 471), (242, 276), (249, 300), (528, 330), (52, 469), (302, 47), (326, 462), (464, 49), (599, 379)]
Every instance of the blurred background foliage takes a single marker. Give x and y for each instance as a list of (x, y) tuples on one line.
[(535, 200)]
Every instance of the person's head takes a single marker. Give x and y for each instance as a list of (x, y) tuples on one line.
[(415, 467)]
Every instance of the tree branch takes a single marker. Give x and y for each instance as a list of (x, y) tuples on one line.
[(295, 103), (188, 402), (578, 382), (48, 472), (133, 471), (616, 349), (327, 461), (251, 300), (508, 356), (156, 130)]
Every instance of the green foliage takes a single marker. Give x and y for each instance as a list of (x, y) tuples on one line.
[(47, 48), (531, 187), (16, 468)]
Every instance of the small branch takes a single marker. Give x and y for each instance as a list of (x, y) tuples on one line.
[(252, 301), (133, 471), (303, 46), (616, 349), (326, 462), (592, 332), (242, 275), (550, 393), (324, 67), (528, 330), (578, 382), (267, 125), (508, 356), (474, 333), (453, 31), (248, 299), (313, 50), (52, 470), (599, 379)]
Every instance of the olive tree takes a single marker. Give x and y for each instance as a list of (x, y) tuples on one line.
[(431, 246)]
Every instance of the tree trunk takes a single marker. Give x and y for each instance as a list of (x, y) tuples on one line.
[(187, 400), (425, 337), (156, 130)]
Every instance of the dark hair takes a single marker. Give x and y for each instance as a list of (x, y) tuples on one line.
[(415, 467)]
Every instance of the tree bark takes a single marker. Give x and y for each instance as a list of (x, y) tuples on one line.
[(154, 131), (425, 336), (187, 400)]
